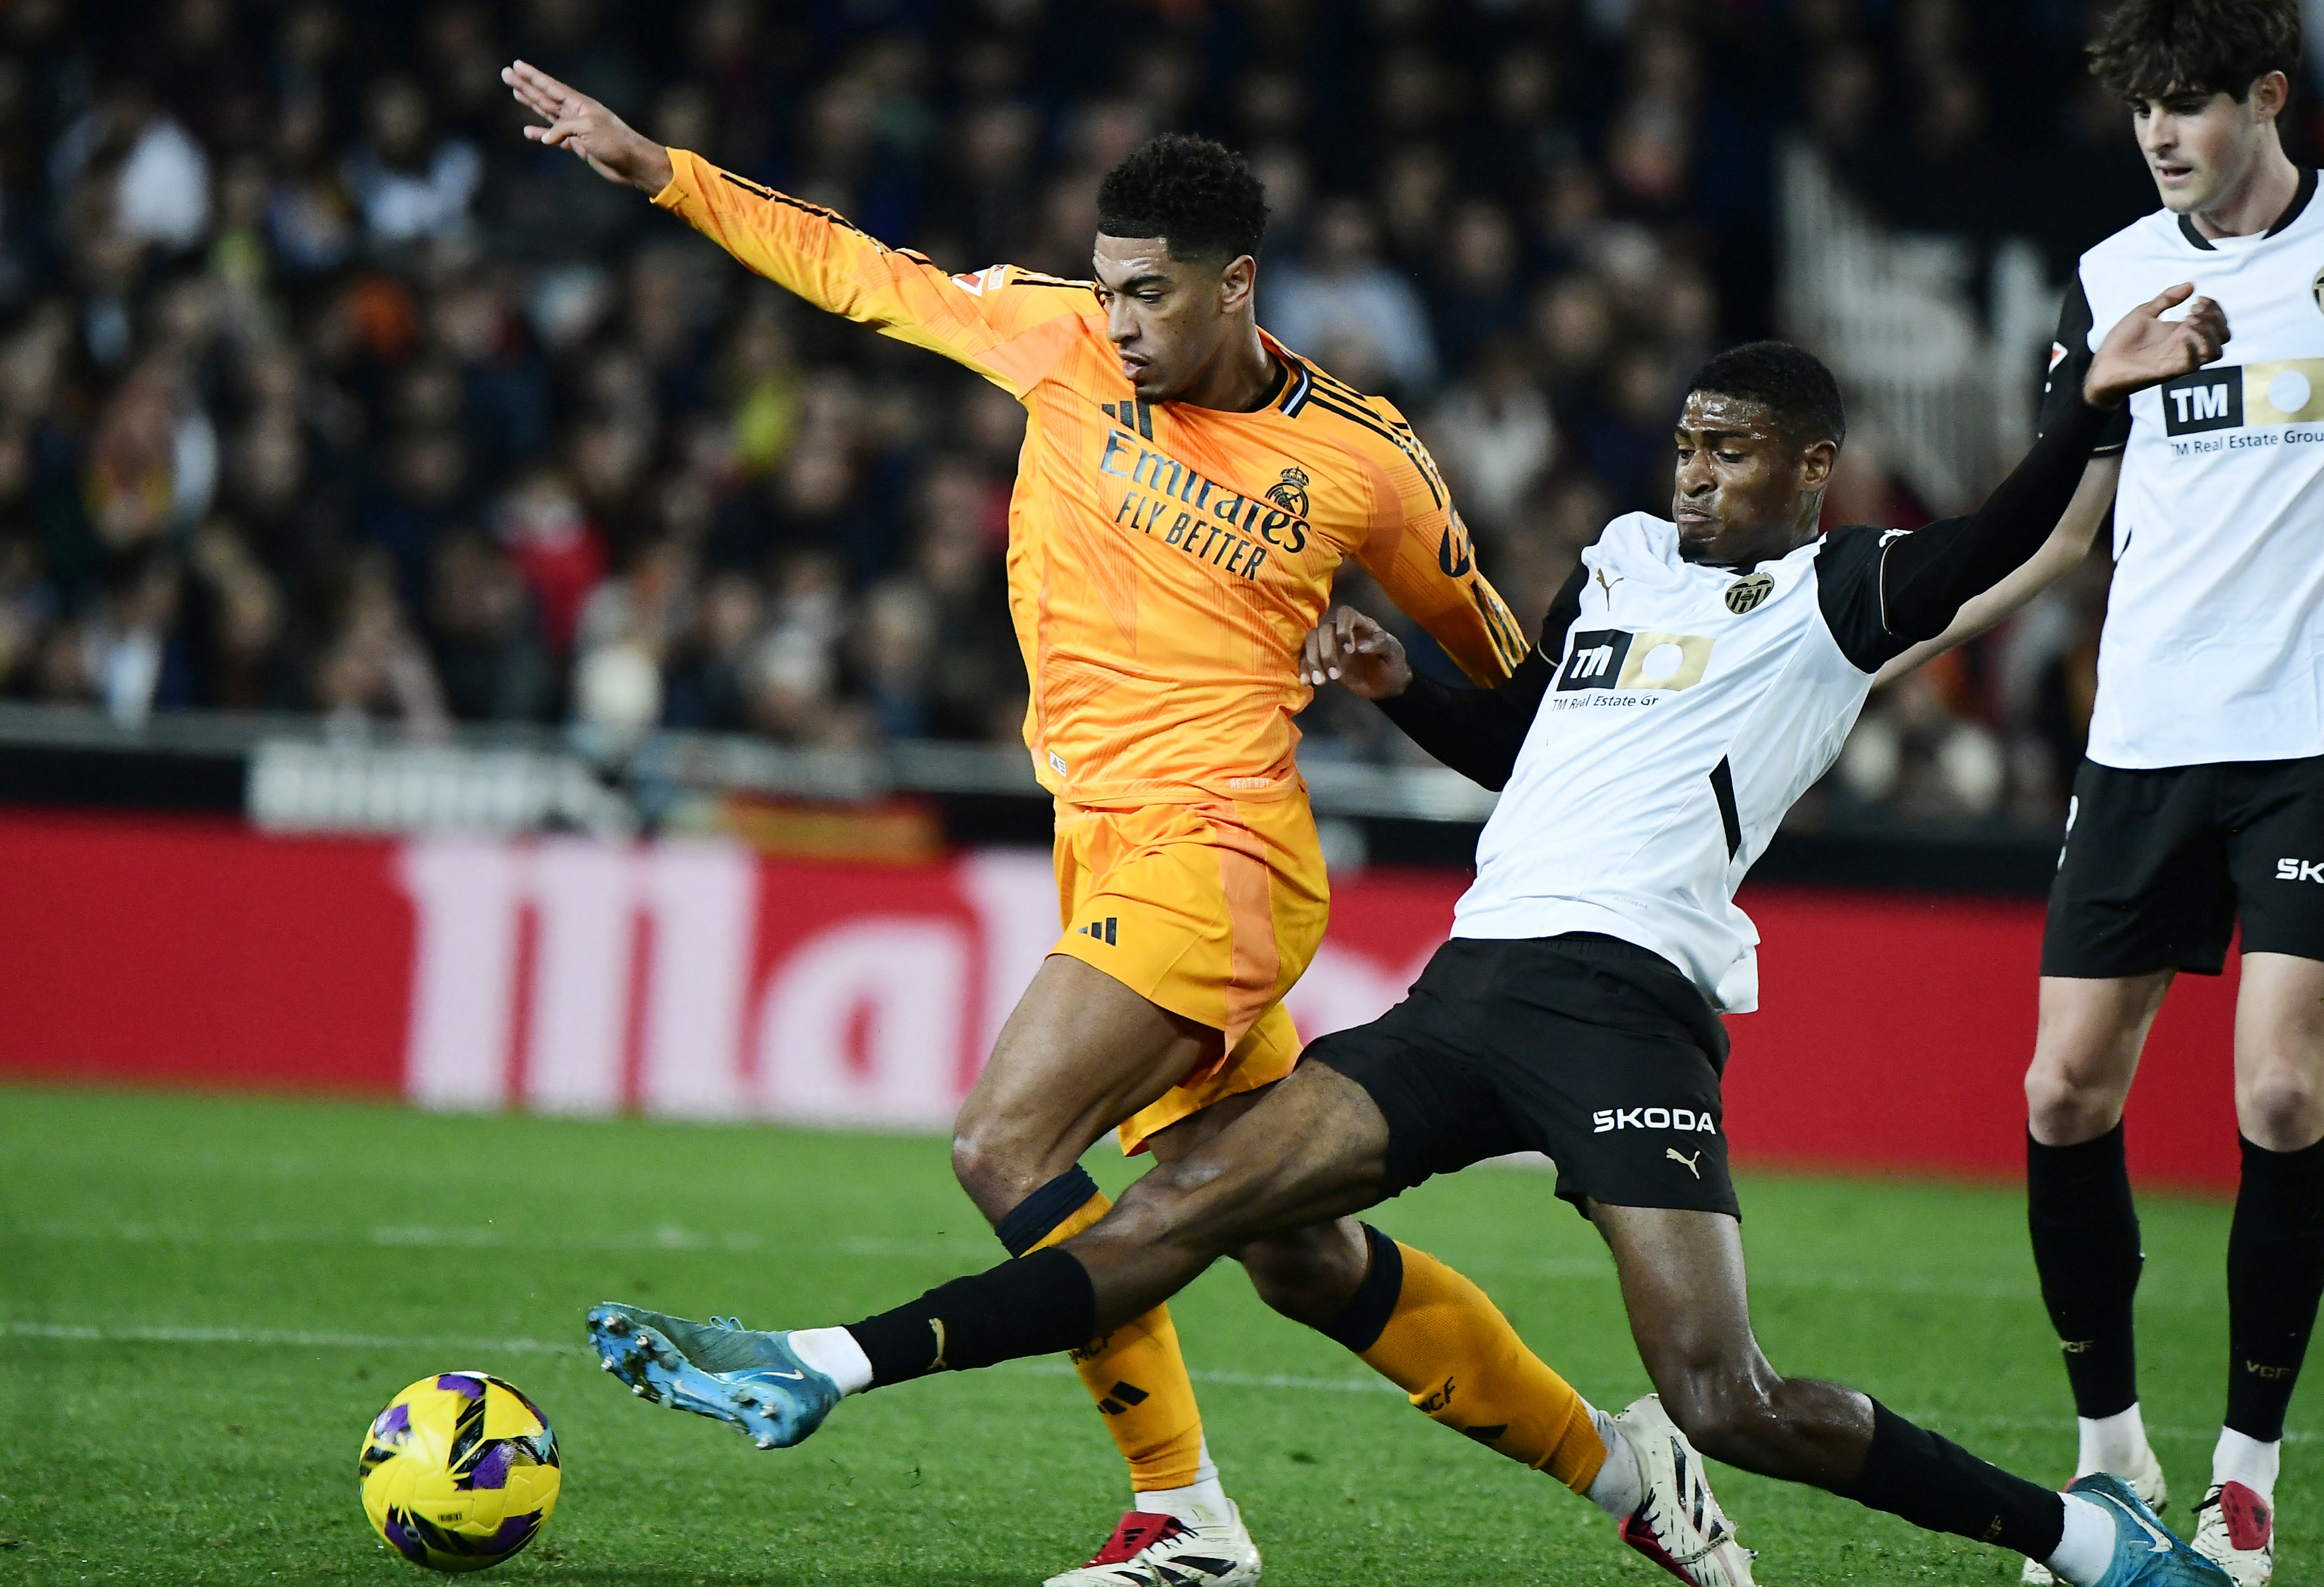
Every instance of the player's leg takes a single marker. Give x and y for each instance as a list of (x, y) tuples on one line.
[(1683, 1283), (1312, 1152), (1423, 1327), (1080, 1053), (1205, 915), (1426, 1069), (2080, 1212), (2275, 814), (2275, 1252), (2142, 891)]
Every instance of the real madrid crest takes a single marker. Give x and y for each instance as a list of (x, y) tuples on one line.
[(1290, 492), (1746, 593)]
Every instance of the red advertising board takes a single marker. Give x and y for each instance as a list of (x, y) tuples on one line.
[(698, 980)]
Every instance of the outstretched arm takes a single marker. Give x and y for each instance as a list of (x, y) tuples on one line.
[(991, 322), (2068, 544), (1477, 731), (1928, 576)]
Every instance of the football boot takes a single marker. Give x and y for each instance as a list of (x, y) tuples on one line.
[(1148, 1550), (2235, 1529), (1678, 1524), (2145, 1479), (719, 1369), (2145, 1554)]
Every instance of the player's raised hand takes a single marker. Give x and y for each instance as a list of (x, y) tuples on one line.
[(2144, 349), (613, 149), (1362, 655)]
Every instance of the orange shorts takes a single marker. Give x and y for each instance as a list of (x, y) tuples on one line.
[(1210, 910)]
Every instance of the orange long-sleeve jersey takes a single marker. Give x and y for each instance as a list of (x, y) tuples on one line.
[(1165, 560)]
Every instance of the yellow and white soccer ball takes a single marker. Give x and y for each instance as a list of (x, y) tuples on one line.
[(459, 1471)]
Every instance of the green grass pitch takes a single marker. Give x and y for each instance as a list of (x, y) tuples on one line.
[(204, 1301)]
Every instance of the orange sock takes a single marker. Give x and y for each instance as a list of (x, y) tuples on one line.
[(1435, 1334), (1135, 1373)]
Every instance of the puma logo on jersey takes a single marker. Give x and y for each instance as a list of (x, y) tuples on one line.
[(1687, 1162)]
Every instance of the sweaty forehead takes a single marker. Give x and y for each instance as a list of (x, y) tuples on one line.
[(1716, 410)]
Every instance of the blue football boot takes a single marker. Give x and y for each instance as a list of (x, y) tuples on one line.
[(2145, 1554), (717, 1369)]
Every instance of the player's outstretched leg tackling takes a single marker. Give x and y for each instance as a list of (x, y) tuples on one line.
[(767, 1385)]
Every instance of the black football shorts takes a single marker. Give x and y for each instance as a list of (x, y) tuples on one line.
[(1585, 1048), (2159, 866)]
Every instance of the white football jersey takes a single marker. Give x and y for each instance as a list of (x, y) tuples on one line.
[(1694, 705), (2214, 636)]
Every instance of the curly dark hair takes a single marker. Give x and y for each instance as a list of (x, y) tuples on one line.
[(2150, 48), (1197, 196), (1790, 383)]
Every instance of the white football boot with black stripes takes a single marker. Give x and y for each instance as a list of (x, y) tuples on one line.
[(1679, 1524), (1150, 1550), (2235, 1529)]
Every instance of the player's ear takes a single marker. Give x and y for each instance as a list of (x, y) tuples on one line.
[(1817, 461), (2268, 95), (1237, 282)]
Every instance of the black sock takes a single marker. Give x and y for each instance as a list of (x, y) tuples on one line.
[(2086, 1247), (1037, 1217), (1039, 1304), (2275, 1271), (1940, 1486), (1365, 1317)]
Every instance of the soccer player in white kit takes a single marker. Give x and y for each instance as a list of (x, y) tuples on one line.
[(2200, 804)]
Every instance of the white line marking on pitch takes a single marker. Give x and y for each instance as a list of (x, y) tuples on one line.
[(294, 1339), (81, 1333), (1592, 1267)]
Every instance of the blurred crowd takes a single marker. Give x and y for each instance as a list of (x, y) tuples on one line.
[(323, 390)]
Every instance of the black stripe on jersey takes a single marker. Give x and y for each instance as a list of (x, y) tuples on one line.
[(2062, 387), (1501, 628), (1722, 789), (1300, 388), (1034, 278), (2187, 230), (1333, 383), (1403, 443), (1332, 403), (818, 210), (2299, 204), (1145, 420)]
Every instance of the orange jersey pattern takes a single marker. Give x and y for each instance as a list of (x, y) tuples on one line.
[(1165, 560)]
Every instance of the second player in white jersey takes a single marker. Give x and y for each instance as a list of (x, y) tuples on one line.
[(2214, 639)]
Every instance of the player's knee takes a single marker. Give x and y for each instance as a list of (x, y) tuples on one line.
[(2280, 1107), (1305, 1280), (1726, 1418), (2066, 1102), (991, 1166)]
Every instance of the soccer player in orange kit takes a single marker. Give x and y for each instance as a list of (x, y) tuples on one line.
[(1188, 488)]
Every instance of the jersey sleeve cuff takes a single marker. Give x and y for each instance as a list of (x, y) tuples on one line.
[(684, 182)]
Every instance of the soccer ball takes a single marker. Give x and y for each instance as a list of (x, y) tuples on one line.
[(459, 1471)]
